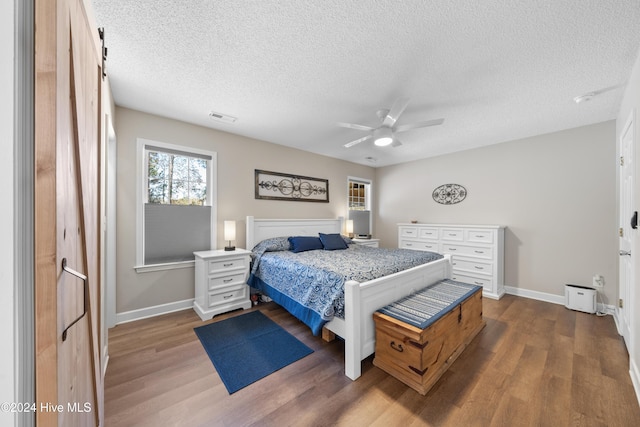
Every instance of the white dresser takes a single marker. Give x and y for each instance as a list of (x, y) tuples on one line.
[(477, 251), (221, 282)]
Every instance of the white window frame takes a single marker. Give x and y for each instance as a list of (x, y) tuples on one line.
[(368, 197), (142, 196)]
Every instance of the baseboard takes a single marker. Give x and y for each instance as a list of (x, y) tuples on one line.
[(634, 372), (156, 310), (540, 296), (552, 298)]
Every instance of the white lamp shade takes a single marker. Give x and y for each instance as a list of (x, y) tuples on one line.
[(350, 226), (229, 230)]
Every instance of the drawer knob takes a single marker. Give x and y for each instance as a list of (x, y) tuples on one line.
[(396, 347)]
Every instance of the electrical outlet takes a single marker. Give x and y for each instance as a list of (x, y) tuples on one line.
[(598, 281)]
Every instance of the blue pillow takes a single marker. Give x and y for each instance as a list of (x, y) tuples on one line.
[(304, 243), (332, 242)]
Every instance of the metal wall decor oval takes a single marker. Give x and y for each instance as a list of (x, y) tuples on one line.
[(449, 194)]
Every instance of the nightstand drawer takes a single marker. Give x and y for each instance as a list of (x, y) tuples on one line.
[(227, 280), (227, 295), (216, 266)]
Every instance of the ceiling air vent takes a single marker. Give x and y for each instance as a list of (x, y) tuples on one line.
[(222, 117)]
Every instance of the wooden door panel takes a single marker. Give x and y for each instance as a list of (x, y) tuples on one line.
[(68, 84)]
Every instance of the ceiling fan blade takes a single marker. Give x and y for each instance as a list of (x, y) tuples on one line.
[(396, 143), (395, 111), (357, 141), (355, 126), (404, 128)]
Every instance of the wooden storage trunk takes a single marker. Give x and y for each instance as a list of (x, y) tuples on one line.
[(419, 357)]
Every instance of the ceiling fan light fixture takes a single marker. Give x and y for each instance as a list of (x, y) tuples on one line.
[(383, 136)]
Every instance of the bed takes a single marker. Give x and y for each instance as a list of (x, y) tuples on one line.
[(361, 299)]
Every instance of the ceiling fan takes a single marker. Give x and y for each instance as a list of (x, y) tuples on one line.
[(385, 134)]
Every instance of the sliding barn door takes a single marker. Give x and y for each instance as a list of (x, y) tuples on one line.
[(69, 388)]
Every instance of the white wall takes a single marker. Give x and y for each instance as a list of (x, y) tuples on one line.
[(238, 157), (554, 193), (630, 106), (7, 374)]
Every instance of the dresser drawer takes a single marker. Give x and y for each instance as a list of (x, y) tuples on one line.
[(408, 231), (453, 234), (429, 233), (216, 266), (479, 236), (463, 276), (418, 245), (472, 266), (470, 251), (227, 280), (227, 295)]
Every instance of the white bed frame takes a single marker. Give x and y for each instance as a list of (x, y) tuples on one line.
[(361, 299)]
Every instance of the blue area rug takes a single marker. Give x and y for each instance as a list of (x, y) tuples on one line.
[(249, 347)]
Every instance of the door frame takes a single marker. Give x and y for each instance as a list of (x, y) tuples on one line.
[(626, 290)]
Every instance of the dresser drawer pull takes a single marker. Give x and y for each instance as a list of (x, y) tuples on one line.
[(227, 296), (228, 264), (452, 249), (228, 280), (453, 234), (408, 244), (396, 347), (479, 252), (479, 268), (478, 283)]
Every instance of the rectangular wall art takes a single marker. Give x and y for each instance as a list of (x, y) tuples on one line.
[(281, 186)]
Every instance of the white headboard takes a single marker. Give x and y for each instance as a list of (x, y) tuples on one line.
[(260, 229)]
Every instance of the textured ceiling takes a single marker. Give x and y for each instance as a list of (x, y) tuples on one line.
[(495, 70)]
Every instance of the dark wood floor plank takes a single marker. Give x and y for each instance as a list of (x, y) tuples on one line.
[(534, 363)]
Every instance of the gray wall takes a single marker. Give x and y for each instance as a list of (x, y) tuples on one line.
[(555, 193), (238, 157)]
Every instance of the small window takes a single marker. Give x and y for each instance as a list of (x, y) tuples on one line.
[(177, 201), (176, 178), (359, 192)]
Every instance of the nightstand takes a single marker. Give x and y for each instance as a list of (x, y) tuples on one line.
[(221, 282), (374, 243)]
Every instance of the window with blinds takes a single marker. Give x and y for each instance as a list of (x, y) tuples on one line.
[(359, 192), (177, 203)]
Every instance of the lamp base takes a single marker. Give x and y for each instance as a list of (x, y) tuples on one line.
[(229, 248)]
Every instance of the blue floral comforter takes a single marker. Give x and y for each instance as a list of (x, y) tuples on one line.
[(310, 285)]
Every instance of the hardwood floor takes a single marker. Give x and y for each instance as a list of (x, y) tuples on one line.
[(534, 364)]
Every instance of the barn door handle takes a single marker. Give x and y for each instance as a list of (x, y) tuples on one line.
[(84, 296)]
